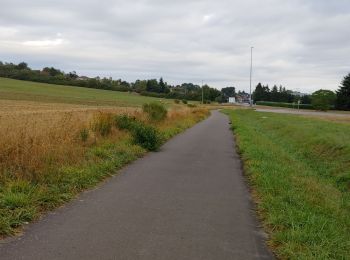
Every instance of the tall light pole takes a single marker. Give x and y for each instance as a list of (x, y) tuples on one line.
[(251, 70), (202, 93)]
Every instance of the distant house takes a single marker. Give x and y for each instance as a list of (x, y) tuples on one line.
[(231, 100), (298, 94), (82, 78), (242, 98)]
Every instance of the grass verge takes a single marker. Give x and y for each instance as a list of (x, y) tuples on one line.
[(299, 170), (68, 160)]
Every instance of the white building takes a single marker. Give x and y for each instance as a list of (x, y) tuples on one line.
[(231, 100)]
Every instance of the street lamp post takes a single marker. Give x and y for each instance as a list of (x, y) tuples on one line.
[(202, 93), (251, 70)]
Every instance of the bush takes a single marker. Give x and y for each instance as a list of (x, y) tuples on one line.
[(323, 99), (123, 122), (191, 105), (146, 136), (177, 101), (102, 123), (156, 111), (184, 101)]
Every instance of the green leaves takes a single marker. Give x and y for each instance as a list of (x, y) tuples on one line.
[(323, 99)]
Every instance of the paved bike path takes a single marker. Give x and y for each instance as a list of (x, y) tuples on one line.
[(187, 201)]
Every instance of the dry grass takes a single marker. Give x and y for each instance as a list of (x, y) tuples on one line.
[(49, 153), (332, 118), (32, 142), (37, 136)]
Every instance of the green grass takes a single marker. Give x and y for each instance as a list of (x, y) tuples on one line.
[(299, 171), (31, 91)]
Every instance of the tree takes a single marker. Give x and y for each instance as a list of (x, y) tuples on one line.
[(343, 94), (22, 66), (274, 94), (72, 75), (153, 86), (226, 93), (140, 85), (52, 71), (261, 93), (323, 99), (220, 99), (161, 85), (306, 99)]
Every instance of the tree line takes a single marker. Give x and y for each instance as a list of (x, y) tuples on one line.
[(321, 99), (150, 87), (278, 94)]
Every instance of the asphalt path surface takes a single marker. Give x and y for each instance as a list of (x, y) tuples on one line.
[(187, 201)]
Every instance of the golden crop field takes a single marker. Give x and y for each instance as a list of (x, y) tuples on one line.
[(50, 151)]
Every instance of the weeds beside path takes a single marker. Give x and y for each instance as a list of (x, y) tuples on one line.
[(47, 159), (299, 170)]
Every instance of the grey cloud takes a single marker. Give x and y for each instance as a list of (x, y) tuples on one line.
[(300, 44)]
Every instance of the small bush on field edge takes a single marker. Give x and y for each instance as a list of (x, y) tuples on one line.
[(144, 135), (155, 111)]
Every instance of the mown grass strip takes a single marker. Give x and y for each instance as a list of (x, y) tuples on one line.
[(299, 169)]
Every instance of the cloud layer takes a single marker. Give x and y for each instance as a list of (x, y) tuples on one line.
[(301, 44)]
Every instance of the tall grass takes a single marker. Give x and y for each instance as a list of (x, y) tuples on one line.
[(47, 158), (30, 143), (299, 169)]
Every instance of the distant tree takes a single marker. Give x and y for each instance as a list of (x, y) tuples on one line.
[(274, 94), (153, 86), (221, 99), (140, 85), (22, 66), (72, 75), (162, 85), (261, 93), (93, 83), (124, 84), (323, 99), (226, 93), (343, 94), (52, 71), (306, 99)]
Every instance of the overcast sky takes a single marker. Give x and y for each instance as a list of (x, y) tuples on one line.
[(303, 45)]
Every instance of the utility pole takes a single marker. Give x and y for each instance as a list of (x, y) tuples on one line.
[(251, 70), (202, 93)]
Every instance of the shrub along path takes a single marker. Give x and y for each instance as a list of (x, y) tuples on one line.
[(188, 201)]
